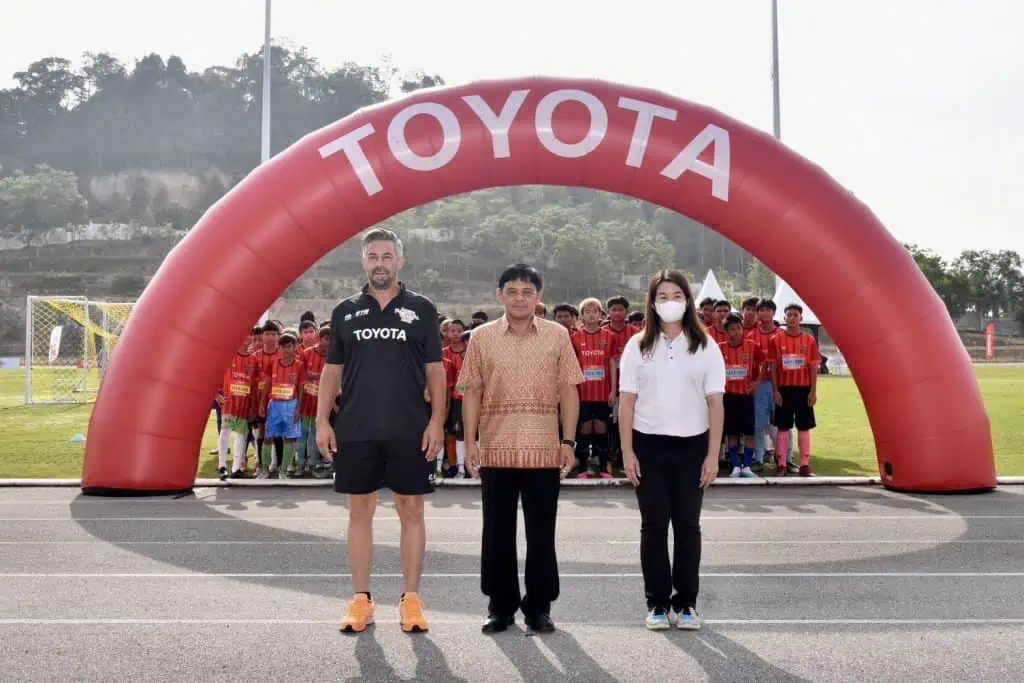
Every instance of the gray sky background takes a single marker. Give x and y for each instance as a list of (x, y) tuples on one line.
[(914, 105)]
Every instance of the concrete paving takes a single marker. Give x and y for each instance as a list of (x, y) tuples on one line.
[(818, 583)]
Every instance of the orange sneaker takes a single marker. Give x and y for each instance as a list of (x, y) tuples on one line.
[(410, 611), (359, 614)]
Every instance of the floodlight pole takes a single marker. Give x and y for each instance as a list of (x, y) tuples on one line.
[(776, 109), (265, 127), (265, 152)]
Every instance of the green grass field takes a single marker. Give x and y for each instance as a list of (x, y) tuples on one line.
[(35, 442)]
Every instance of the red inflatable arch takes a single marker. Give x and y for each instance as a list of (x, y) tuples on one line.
[(930, 427)]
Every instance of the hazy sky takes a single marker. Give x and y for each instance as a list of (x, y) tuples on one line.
[(914, 105)]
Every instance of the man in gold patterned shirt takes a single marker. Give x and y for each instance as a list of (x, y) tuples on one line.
[(517, 371)]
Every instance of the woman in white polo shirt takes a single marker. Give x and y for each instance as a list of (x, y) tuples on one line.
[(671, 382)]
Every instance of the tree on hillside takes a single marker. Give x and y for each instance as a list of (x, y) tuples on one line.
[(33, 203), (110, 117)]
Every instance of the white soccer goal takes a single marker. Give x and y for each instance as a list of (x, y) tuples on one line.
[(68, 343)]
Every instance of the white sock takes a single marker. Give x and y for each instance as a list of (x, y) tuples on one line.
[(222, 446), (240, 450), (460, 453)]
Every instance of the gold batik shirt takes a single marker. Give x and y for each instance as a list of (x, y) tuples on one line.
[(521, 377)]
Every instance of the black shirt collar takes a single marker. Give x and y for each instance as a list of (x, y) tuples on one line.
[(399, 298)]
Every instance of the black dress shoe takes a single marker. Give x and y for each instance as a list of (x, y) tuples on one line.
[(540, 623), (496, 623)]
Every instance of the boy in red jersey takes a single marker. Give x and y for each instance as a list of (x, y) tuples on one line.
[(707, 312), (238, 393), (455, 437), (795, 363), (287, 375), (749, 310), (595, 352), (255, 338), (764, 397), (307, 459), (743, 361), (265, 356), (717, 329), (618, 325), (445, 324), (622, 332), (565, 315), (308, 333)]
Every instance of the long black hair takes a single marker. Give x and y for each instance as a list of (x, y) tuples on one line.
[(696, 335)]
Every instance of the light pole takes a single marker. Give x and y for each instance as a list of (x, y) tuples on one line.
[(776, 113), (265, 127), (265, 130)]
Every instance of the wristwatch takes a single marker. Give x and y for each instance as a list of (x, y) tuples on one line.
[(569, 442)]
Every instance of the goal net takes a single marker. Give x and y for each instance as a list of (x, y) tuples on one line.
[(68, 344)]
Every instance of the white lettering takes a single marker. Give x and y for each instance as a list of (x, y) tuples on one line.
[(717, 171), (380, 333), (646, 113), (595, 134), (498, 124), (349, 144), (450, 130)]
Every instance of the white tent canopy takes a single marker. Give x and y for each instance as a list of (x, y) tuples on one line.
[(784, 296), (710, 288)]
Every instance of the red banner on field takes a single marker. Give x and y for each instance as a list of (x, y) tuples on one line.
[(990, 341)]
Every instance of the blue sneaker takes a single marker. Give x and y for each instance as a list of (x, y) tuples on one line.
[(689, 620), (657, 619), (747, 473)]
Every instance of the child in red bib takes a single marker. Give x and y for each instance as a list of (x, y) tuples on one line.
[(795, 363)]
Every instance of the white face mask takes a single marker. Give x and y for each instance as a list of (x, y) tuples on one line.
[(670, 311)]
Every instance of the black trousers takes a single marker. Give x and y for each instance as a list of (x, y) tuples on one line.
[(670, 492), (501, 489)]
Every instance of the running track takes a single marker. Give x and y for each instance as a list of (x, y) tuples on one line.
[(800, 583)]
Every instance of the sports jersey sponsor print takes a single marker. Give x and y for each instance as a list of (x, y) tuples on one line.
[(240, 385), (286, 380), (371, 333), (742, 365), (314, 362), (594, 350), (795, 355)]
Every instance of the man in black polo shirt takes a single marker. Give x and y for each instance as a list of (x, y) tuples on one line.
[(385, 352)]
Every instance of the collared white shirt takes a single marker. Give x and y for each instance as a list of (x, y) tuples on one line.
[(671, 384)]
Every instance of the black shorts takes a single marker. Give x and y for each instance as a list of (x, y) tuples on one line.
[(362, 467), (739, 415), (453, 425), (595, 410), (794, 410)]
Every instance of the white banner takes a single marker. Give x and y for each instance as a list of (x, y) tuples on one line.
[(55, 342)]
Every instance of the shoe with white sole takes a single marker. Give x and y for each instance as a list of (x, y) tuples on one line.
[(688, 620), (658, 619)]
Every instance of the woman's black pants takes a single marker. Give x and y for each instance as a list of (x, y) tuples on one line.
[(670, 492)]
